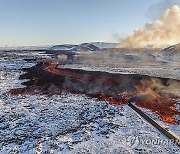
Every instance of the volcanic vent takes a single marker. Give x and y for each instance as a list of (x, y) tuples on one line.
[(119, 89)]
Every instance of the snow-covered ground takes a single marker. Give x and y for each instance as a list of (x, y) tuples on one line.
[(69, 123), (165, 64)]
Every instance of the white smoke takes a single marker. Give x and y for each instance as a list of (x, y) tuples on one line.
[(161, 33), (156, 10)]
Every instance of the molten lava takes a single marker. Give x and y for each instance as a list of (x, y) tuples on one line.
[(118, 89)]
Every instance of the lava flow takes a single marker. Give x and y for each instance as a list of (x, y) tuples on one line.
[(119, 89)]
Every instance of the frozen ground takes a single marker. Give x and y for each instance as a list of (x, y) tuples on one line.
[(69, 123), (164, 64)]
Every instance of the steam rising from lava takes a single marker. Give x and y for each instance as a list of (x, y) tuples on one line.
[(148, 92), (152, 88), (163, 32)]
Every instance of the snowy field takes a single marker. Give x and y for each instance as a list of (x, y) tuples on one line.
[(72, 123), (165, 64)]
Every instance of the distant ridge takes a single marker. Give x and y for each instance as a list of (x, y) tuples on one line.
[(25, 47), (80, 47), (93, 46), (173, 48), (105, 45)]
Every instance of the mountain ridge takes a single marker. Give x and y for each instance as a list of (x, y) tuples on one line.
[(174, 48)]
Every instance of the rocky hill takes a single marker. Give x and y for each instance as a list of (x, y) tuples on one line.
[(173, 48), (94, 46)]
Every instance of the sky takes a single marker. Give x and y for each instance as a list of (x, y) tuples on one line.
[(50, 22)]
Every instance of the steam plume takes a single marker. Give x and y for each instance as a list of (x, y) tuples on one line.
[(156, 10), (163, 32)]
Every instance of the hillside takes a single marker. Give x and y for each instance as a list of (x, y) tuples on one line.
[(173, 48), (93, 46)]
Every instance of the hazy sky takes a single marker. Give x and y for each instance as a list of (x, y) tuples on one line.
[(46, 22)]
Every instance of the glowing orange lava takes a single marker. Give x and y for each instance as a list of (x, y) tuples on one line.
[(118, 89)]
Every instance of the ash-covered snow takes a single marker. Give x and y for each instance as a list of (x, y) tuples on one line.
[(158, 63), (68, 123)]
